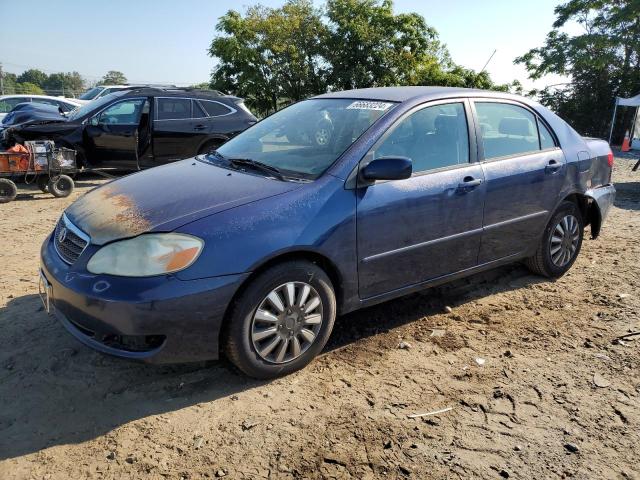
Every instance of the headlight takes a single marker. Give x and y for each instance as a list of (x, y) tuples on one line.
[(147, 255)]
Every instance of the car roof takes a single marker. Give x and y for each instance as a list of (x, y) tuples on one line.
[(178, 92), (403, 94), (48, 97)]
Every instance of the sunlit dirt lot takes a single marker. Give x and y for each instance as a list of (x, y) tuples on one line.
[(537, 383)]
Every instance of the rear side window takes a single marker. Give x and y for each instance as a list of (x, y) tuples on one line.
[(215, 109), (506, 129), (433, 137), (174, 108), (7, 104), (546, 139)]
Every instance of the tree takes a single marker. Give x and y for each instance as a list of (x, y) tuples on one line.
[(270, 53), (67, 84), (603, 61), (113, 77), (28, 87), (34, 76), (369, 46)]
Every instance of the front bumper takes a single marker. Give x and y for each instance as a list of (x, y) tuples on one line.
[(156, 319)]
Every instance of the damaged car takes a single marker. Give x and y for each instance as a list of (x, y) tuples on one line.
[(139, 128), (265, 241)]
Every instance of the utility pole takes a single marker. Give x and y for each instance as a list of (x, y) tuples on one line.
[(1, 81)]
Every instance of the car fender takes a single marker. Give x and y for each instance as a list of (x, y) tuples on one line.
[(601, 199)]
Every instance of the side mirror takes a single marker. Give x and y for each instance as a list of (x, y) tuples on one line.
[(387, 168)]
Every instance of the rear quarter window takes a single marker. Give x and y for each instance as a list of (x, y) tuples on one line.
[(215, 109)]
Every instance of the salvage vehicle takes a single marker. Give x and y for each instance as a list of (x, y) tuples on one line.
[(9, 102), (140, 128), (263, 242)]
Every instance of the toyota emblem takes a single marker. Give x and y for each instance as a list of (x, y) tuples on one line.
[(62, 235)]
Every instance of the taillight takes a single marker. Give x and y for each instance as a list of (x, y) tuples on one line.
[(610, 159)]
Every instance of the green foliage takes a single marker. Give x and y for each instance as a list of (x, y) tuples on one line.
[(273, 56), (33, 76), (603, 61), (113, 77), (69, 83), (28, 87)]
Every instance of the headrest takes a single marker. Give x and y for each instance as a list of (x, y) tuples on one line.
[(515, 126), (446, 123)]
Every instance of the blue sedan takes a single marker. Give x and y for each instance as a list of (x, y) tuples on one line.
[(335, 203)]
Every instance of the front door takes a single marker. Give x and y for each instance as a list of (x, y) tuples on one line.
[(524, 170), (112, 136), (427, 226)]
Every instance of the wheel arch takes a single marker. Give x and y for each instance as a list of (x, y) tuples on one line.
[(311, 256), (589, 210), (212, 140)]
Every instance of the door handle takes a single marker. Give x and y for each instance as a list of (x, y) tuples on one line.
[(199, 127), (552, 167), (469, 183)]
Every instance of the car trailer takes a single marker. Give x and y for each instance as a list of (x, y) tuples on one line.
[(48, 166)]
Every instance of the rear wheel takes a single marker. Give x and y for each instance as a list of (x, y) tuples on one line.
[(281, 321), (8, 190), (560, 243), (209, 146), (61, 186)]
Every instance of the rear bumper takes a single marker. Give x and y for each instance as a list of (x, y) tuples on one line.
[(156, 319)]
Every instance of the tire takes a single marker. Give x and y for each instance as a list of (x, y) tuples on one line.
[(8, 190), (557, 252), (254, 323), (43, 182), (61, 186)]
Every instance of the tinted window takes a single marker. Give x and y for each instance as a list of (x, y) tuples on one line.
[(214, 109), (174, 108), (433, 137), (198, 112), (7, 104), (126, 112), (506, 129), (90, 94), (546, 139), (46, 101)]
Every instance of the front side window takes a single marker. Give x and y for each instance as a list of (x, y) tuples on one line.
[(174, 108), (126, 112), (433, 137), (506, 129), (303, 140)]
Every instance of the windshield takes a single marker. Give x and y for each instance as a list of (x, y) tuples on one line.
[(87, 108), (303, 140), (91, 93)]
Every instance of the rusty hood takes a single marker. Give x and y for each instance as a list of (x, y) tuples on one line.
[(164, 198)]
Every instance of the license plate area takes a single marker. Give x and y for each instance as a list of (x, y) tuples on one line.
[(45, 292)]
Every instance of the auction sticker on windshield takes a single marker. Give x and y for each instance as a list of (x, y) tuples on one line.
[(362, 105)]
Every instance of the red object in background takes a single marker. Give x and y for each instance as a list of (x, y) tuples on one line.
[(626, 145), (610, 159), (18, 162)]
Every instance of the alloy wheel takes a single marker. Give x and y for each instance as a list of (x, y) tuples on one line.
[(564, 240), (287, 322)]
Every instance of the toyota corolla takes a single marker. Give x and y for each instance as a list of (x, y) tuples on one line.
[(335, 203)]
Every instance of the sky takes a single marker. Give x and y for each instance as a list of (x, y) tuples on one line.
[(162, 41)]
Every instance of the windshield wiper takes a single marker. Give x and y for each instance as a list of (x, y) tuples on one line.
[(248, 162)]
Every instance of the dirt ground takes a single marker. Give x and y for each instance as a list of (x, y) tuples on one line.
[(536, 383)]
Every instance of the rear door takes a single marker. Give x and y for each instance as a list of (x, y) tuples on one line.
[(180, 126), (524, 170), (427, 226), (111, 136)]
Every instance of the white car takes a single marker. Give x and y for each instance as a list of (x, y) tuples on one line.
[(101, 91), (7, 102)]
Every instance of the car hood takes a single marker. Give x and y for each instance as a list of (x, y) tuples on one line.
[(165, 198), (32, 117)]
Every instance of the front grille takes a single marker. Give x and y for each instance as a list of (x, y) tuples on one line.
[(69, 241)]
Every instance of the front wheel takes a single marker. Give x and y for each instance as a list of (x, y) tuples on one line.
[(281, 321), (560, 243)]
